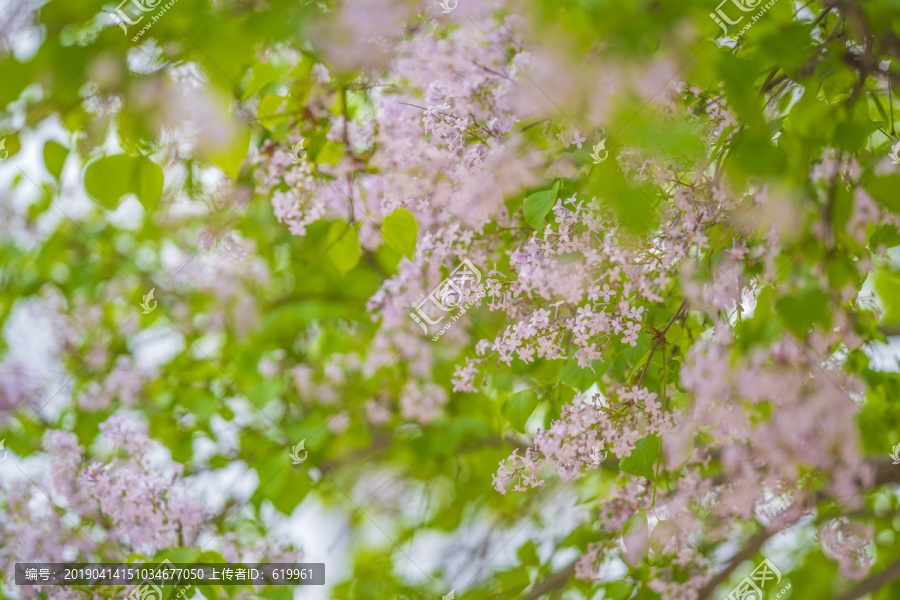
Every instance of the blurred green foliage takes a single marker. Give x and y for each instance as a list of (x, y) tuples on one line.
[(796, 97)]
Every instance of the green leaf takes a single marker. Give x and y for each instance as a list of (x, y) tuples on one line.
[(109, 178), (527, 554), (513, 581), (330, 153), (812, 119), (841, 272), (784, 46), (229, 157), (179, 555), (270, 111), (661, 535), (343, 243), (800, 311), (287, 489), (263, 73), (219, 462), (852, 135), (641, 461), (739, 76), (538, 204), (518, 408), (400, 231), (210, 556), (635, 538), (758, 157), (886, 235), (575, 376), (887, 288), (675, 335), (54, 157), (884, 189), (617, 590)]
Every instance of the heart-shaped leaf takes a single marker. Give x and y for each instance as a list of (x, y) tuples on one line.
[(109, 178), (538, 204), (343, 246), (519, 407), (641, 461), (400, 231)]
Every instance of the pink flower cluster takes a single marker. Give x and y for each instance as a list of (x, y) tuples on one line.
[(578, 441), (448, 140), (124, 382), (149, 508)]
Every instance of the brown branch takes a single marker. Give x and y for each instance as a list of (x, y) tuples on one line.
[(527, 127), (345, 114), (383, 442), (885, 472), (889, 330), (884, 475), (873, 583), (494, 442), (751, 548), (557, 580), (821, 16)]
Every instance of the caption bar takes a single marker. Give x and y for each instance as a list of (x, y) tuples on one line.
[(168, 573)]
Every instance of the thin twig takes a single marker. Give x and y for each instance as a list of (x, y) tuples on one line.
[(660, 339)]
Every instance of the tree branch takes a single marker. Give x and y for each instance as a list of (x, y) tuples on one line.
[(873, 583), (889, 330), (557, 580), (752, 547)]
